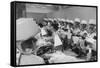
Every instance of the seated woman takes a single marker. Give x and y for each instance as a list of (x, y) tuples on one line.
[(45, 45), (92, 54), (27, 58)]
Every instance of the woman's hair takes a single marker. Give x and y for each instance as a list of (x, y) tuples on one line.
[(28, 43), (40, 24), (55, 26), (49, 32), (77, 25)]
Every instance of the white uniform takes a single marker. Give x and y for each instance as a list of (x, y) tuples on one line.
[(83, 32), (17, 56), (92, 35), (75, 39), (69, 34), (31, 59), (43, 32), (60, 57), (76, 31), (41, 42), (92, 41), (57, 40)]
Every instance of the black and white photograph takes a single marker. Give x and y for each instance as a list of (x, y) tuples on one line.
[(55, 34)]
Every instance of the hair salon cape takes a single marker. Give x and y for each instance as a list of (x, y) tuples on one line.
[(26, 28)]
